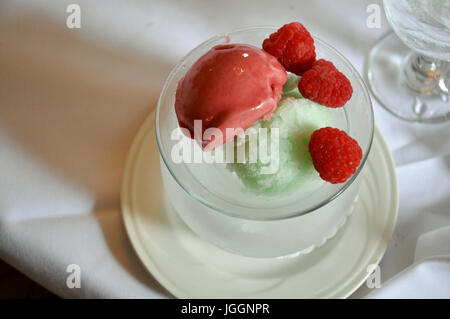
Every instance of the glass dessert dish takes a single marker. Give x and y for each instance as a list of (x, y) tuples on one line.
[(216, 204)]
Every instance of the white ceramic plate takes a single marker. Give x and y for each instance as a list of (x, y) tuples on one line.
[(192, 268)]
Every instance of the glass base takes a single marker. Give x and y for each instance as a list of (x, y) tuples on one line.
[(389, 78)]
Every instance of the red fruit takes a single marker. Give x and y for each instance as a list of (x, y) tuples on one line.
[(335, 155), (293, 46), (324, 84)]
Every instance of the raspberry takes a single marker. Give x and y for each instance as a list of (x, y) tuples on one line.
[(324, 84), (293, 46), (335, 155)]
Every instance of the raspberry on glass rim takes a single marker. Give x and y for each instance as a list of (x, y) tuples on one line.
[(293, 46)]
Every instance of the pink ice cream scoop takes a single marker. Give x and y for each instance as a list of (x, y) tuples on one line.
[(229, 88)]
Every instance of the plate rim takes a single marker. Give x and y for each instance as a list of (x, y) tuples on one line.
[(147, 262)]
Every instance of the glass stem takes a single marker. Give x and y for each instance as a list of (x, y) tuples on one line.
[(422, 73)]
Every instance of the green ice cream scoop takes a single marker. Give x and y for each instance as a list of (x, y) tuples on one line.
[(296, 118)]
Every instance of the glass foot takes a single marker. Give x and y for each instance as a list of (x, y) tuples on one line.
[(409, 86)]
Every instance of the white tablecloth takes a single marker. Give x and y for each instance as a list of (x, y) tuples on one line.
[(71, 101)]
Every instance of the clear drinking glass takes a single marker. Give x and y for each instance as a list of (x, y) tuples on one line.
[(215, 205), (409, 70)]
